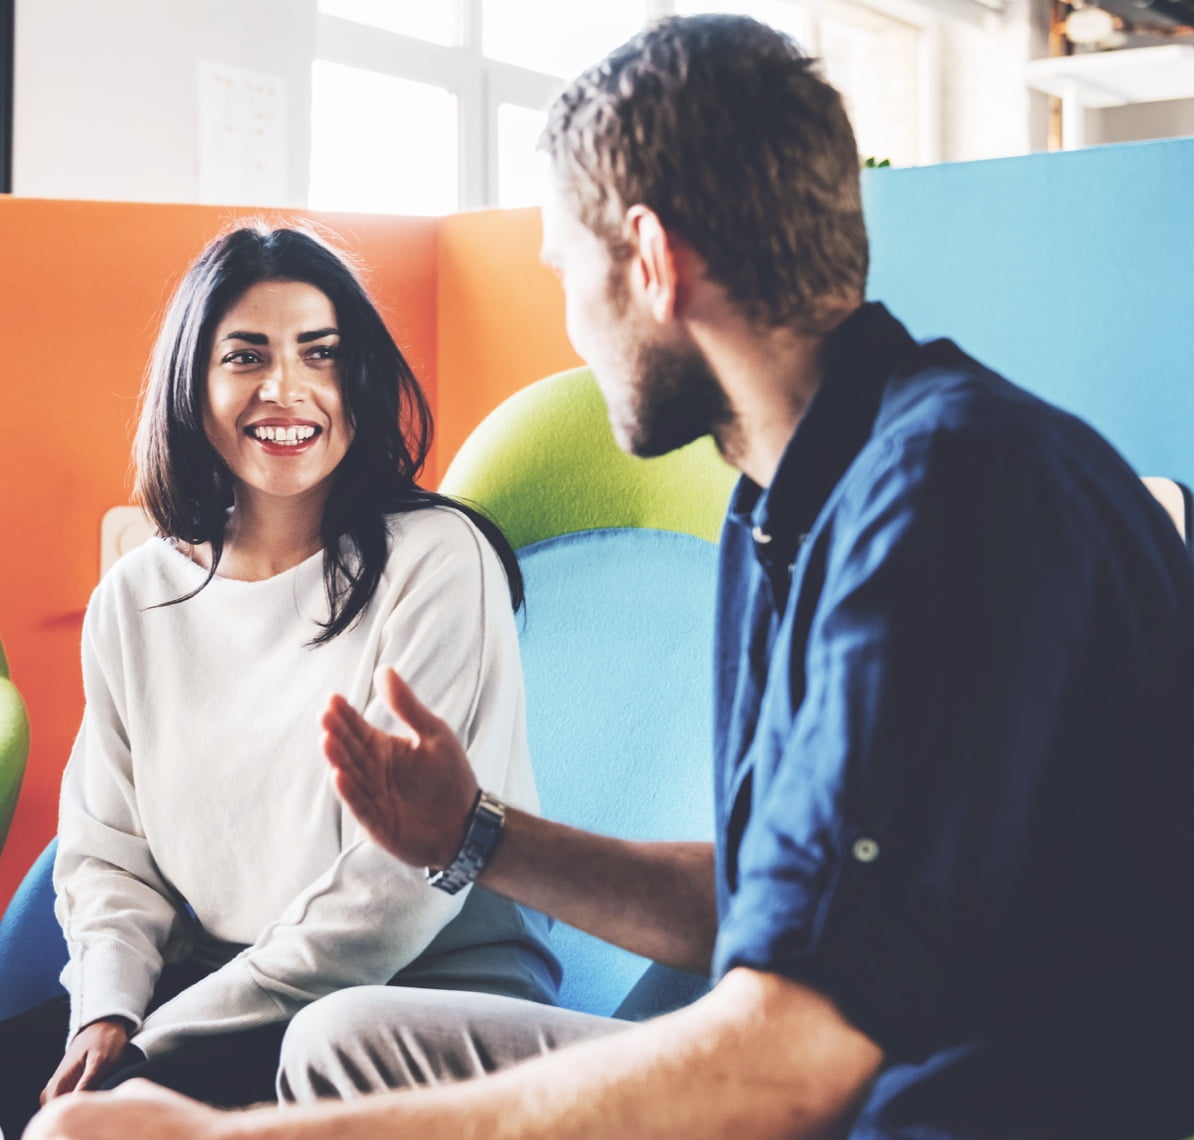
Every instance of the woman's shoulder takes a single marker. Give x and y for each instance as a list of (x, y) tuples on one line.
[(151, 562), (440, 526), (148, 574), (440, 541)]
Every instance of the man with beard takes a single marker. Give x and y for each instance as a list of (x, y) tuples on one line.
[(948, 895)]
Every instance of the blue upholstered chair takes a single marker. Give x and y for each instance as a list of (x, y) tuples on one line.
[(32, 949), (28, 925)]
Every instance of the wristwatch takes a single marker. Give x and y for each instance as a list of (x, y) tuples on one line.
[(480, 841)]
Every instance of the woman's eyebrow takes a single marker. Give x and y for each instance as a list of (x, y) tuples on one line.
[(250, 337), (316, 334)]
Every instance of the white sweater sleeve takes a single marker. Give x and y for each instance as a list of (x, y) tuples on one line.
[(451, 633), (117, 914)]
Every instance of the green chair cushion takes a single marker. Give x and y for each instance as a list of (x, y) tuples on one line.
[(14, 746), (544, 463)]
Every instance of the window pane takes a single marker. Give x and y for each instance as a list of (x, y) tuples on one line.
[(382, 145), (874, 61), (521, 168), (434, 20), (786, 17), (549, 36)]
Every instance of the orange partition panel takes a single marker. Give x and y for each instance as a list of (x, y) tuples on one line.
[(84, 285), (501, 318)]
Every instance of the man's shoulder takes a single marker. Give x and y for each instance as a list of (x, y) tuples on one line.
[(941, 387), (946, 397)]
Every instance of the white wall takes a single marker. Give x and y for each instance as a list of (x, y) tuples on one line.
[(106, 91), (1140, 121), (987, 109)]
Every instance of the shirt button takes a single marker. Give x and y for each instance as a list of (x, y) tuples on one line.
[(865, 850), (760, 535)]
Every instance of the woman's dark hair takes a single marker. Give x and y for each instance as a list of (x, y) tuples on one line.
[(186, 488)]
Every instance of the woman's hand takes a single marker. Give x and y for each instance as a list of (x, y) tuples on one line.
[(92, 1056), (414, 794)]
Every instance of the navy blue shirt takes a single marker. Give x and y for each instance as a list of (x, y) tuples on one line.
[(955, 778)]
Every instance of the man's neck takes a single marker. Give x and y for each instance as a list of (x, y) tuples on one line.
[(769, 377)]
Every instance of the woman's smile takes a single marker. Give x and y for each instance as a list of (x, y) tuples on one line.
[(284, 437)]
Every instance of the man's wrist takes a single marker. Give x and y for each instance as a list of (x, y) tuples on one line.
[(481, 837)]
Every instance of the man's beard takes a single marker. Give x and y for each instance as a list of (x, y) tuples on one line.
[(677, 400)]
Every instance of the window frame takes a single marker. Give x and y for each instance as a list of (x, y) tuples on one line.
[(482, 85), (8, 58)]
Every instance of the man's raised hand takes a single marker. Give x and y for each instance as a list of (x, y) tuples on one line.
[(413, 793)]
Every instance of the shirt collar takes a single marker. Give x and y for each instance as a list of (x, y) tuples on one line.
[(859, 357)]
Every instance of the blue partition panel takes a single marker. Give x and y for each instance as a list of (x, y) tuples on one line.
[(1071, 273)]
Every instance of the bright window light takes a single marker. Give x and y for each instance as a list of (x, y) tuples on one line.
[(548, 36), (873, 60), (431, 20), (522, 170), (778, 13), (382, 145)]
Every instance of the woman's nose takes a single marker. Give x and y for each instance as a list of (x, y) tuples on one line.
[(283, 384)]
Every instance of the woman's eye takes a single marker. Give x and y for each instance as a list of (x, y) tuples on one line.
[(241, 356), (325, 351)]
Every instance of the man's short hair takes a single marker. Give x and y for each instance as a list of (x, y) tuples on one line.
[(722, 126)]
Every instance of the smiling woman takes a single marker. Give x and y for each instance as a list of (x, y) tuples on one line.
[(209, 882), (273, 410)]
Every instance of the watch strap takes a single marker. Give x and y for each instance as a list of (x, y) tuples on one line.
[(480, 841)]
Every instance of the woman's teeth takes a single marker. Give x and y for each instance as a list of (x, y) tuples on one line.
[(282, 434)]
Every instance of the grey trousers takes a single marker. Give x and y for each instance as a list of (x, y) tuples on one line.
[(371, 1038)]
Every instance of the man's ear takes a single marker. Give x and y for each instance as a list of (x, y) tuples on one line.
[(654, 263)]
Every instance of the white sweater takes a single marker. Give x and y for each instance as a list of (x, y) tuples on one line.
[(198, 779)]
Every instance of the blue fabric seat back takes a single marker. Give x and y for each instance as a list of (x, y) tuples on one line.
[(32, 949), (617, 654)]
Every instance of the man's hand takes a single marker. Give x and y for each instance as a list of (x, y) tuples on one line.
[(137, 1109), (91, 1057), (414, 794)]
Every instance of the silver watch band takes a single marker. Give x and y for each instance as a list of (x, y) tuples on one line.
[(480, 841)]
